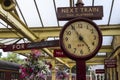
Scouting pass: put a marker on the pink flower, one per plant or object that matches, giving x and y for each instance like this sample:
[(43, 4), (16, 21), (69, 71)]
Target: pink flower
[(24, 71), (40, 75), (35, 53), (31, 76), (23, 75)]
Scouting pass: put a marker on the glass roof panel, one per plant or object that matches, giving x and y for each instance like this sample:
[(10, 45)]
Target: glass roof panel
[(29, 12), (107, 40), (47, 12), (62, 3), (106, 10), (115, 18)]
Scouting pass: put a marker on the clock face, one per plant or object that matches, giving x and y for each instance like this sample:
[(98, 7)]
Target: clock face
[(80, 38)]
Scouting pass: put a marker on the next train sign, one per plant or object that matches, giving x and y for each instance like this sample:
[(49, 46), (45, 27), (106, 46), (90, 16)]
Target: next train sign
[(91, 12)]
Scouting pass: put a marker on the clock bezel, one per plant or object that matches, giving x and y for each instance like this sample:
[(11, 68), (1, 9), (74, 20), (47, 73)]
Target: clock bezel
[(85, 57)]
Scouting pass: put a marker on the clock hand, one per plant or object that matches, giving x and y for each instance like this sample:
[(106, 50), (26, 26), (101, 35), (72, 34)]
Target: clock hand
[(75, 30), (86, 45), (81, 39)]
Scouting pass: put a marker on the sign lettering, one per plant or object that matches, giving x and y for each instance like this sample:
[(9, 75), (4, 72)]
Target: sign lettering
[(59, 53), (91, 12), (35, 45), (18, 46), (82, 10), (110, 63)]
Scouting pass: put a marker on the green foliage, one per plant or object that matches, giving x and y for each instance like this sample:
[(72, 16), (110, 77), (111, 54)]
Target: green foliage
[(0, 54), (12, 57), (74, 69)]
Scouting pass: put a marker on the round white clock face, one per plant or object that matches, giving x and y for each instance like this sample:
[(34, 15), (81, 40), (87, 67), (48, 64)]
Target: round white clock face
[(80, 38)]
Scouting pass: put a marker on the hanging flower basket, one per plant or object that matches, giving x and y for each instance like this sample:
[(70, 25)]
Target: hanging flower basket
[(34, 68)]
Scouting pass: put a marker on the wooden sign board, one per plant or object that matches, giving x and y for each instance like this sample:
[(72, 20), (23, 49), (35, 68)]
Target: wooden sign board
[(100, 71), (34, 45), (110, 63), (91, 12), (59, 53)]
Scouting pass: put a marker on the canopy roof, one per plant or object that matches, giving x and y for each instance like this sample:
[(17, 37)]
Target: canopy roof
[(40, 18)]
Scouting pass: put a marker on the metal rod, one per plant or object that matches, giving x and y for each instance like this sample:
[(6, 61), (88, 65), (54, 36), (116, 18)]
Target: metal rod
[(38, 13), (111, 12), (21, 13), (93, 1), (56, 12)]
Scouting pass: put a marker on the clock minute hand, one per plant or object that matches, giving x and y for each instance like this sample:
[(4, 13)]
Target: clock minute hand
[(81, 39), (75, 30), (86, 45)]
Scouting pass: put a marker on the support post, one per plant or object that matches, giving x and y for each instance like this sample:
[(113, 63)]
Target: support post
[(80, 70), (70, 76), (53, 70)]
